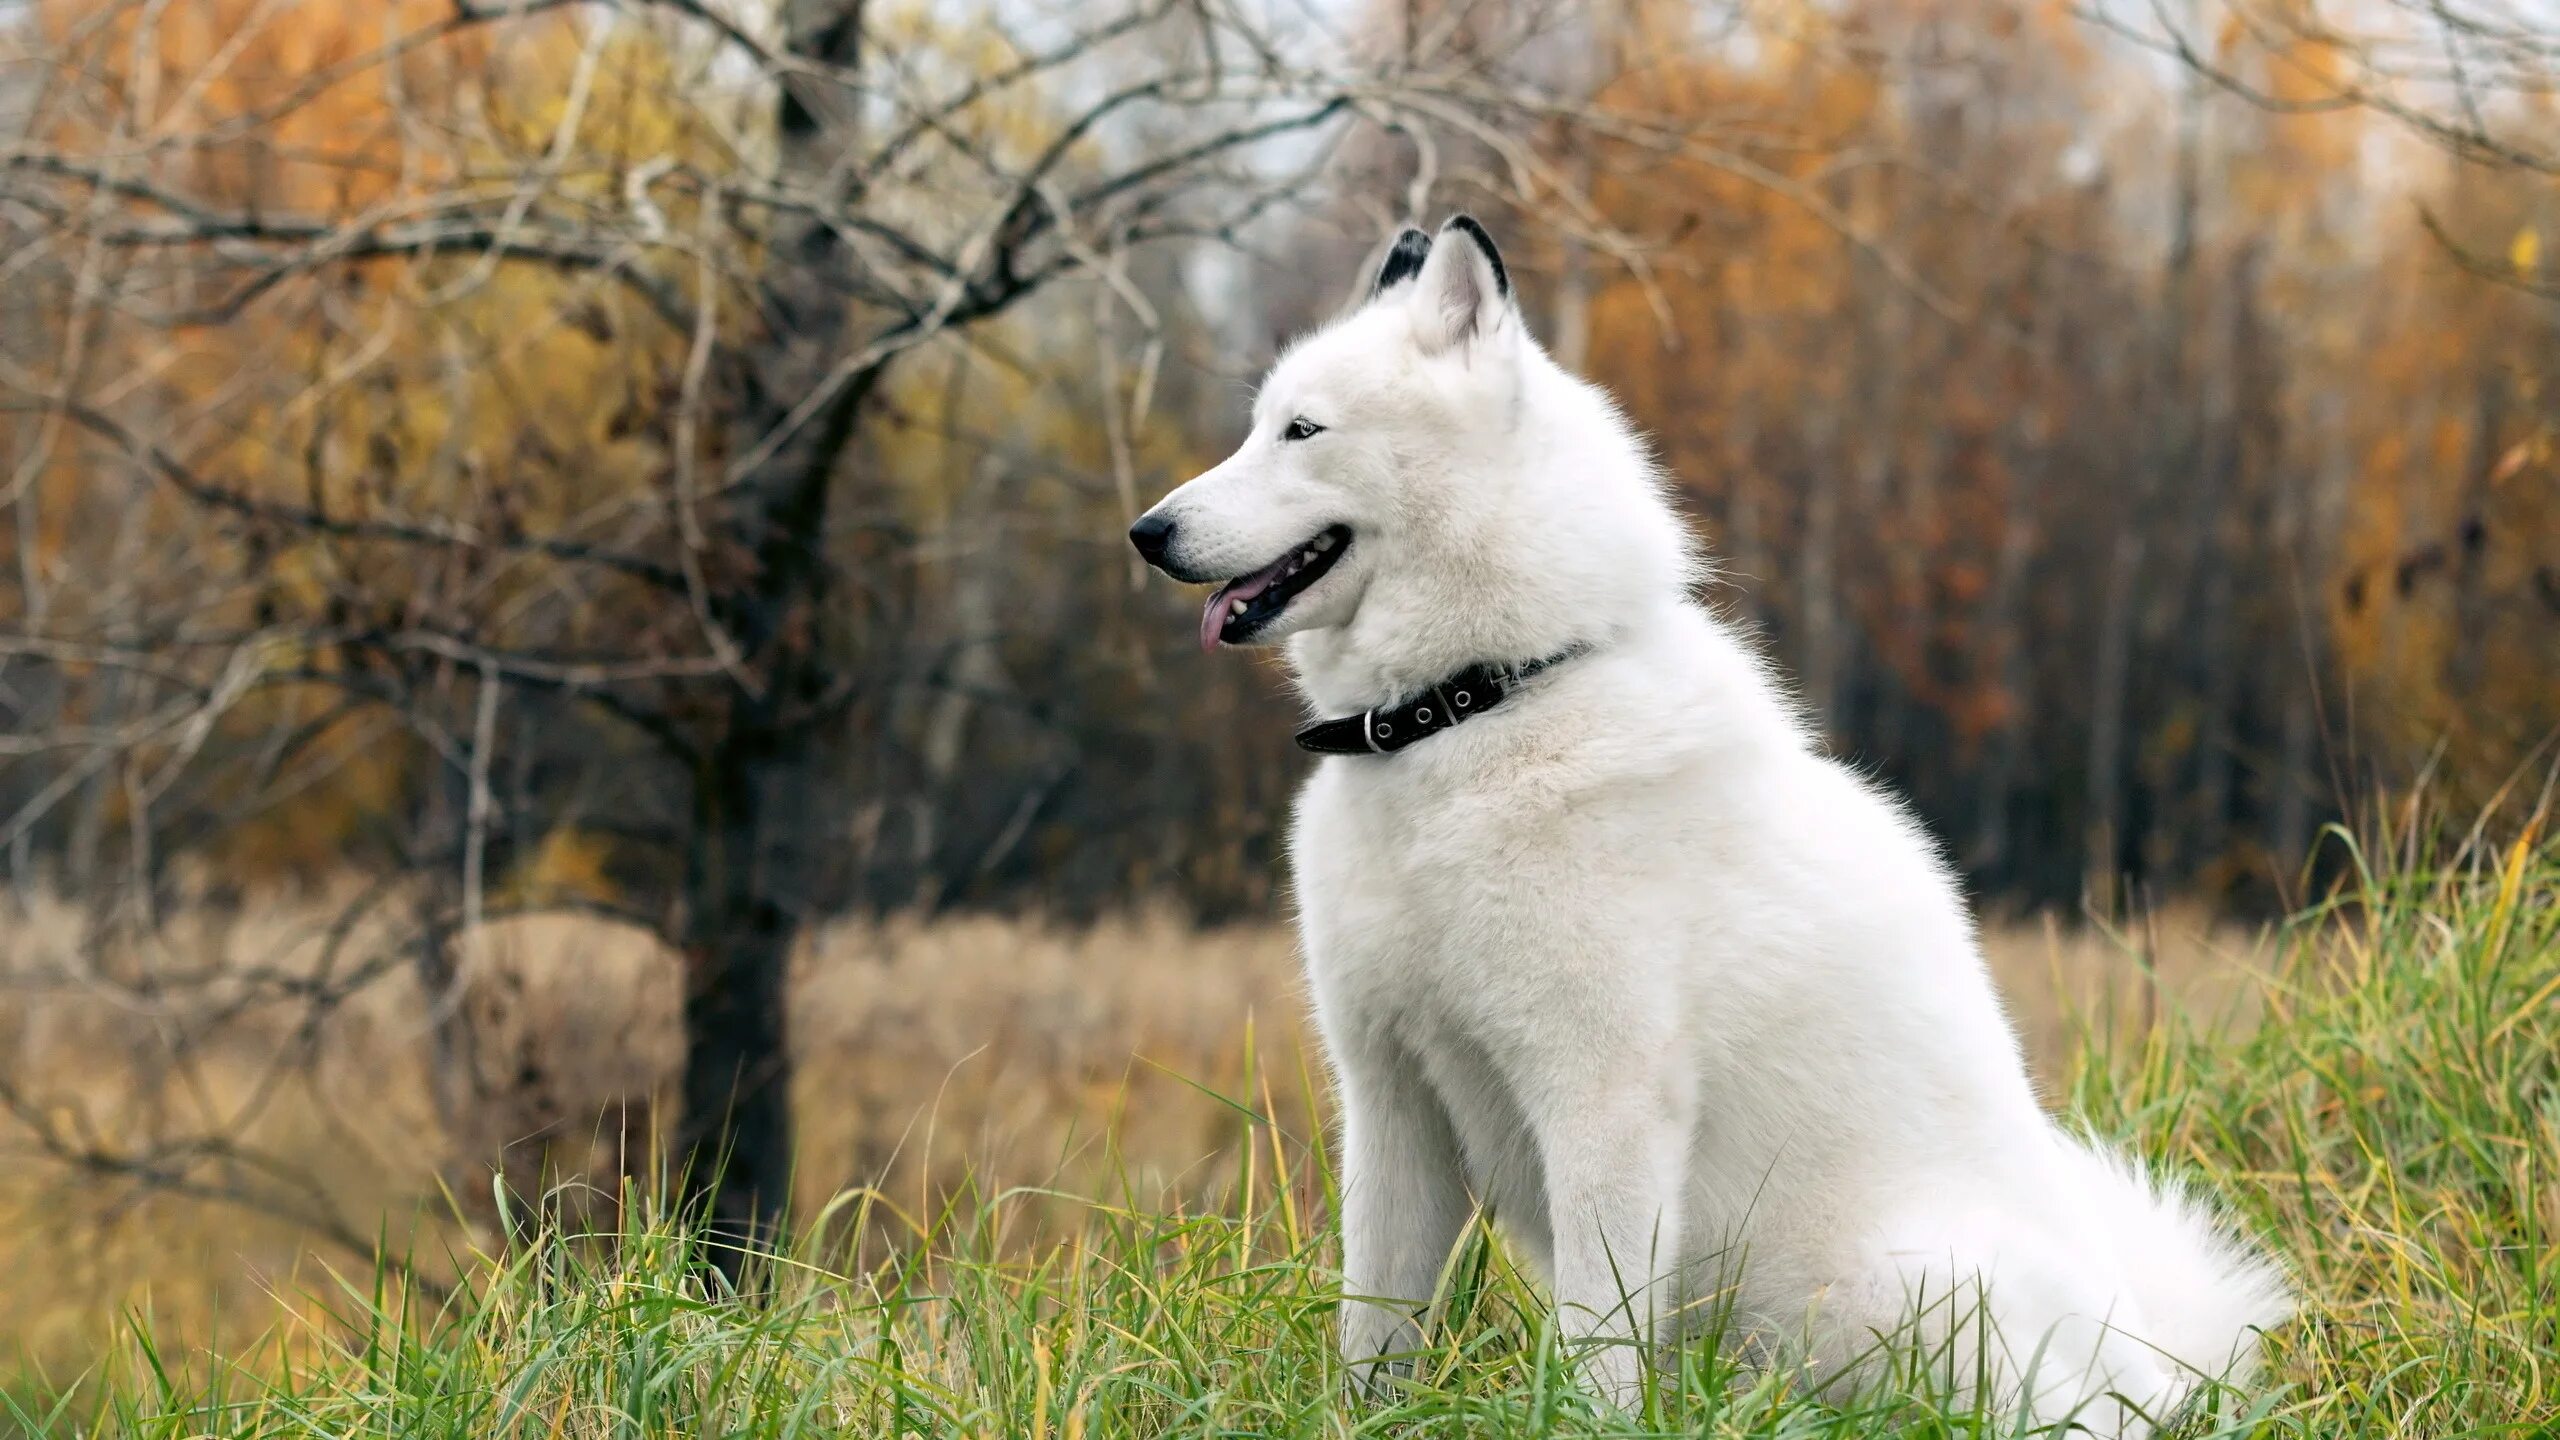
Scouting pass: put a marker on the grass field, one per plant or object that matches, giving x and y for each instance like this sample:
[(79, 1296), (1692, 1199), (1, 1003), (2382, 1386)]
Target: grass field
[(2381, 1101)]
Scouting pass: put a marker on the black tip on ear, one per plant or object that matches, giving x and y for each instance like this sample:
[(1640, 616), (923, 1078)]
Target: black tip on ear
[(1466, 225), (1404, 260)]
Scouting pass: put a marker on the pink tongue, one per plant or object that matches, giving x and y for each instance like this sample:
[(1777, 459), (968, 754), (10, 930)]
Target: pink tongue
[(1213, 616)]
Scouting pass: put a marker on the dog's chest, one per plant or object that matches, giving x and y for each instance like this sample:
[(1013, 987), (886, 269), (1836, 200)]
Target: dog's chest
[(1424, 907)]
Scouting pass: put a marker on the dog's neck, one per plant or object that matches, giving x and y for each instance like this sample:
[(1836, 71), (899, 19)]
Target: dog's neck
[(1409, 635), (1416, 626), (1391, 653)]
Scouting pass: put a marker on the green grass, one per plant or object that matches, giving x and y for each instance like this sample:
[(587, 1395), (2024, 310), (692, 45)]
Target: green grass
[(2390, 1124)]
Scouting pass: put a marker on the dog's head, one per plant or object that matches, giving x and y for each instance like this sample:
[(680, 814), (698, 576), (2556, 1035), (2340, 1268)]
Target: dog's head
[(1350, 434), (1417, 468)]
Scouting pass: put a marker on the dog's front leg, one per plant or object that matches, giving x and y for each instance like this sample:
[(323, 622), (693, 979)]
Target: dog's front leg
[(1404, 1203), (1614, 1166)]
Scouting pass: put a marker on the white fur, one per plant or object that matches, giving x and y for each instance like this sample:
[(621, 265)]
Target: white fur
[(1694, 1010)]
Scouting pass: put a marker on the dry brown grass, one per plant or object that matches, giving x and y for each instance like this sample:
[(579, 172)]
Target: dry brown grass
[(1007, 1050)]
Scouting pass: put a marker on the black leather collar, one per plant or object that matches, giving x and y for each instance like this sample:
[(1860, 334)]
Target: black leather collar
[(1453, 701)]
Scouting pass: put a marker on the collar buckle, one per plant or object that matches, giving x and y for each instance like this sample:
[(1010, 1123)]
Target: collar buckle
[(1387, 729)]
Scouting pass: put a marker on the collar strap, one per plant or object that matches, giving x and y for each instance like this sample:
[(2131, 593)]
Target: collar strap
[(1453, 701)]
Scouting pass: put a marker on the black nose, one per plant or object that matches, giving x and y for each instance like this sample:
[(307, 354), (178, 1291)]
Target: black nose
[(1153, 535)]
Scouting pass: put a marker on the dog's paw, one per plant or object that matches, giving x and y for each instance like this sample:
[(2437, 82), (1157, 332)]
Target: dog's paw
[(1378, 1348), (1613, 1372), (1377, 1380)]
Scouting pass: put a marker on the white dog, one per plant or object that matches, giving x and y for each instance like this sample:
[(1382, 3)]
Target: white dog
[(1600, 941)]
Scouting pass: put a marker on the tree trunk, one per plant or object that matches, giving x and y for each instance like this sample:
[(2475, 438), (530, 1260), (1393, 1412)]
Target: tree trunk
[(2469, 545), (974, 595), (2108, 696), (2005, 626), (1817, 593), (2113, 830), (747, 872), (737, 950), (1570, 341), (2303, 518), (2218, 519)]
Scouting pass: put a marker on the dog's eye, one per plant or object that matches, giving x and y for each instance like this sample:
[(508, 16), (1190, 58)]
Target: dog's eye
[(1301, 428)]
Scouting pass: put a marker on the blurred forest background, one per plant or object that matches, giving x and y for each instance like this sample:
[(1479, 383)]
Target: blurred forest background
[(557, 558)]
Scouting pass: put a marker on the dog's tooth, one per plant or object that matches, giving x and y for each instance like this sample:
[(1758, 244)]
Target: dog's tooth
[(1236, 609), (1308, 558), (1324, 542)]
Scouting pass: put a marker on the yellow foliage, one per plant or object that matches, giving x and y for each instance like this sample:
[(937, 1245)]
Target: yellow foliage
[(441, 391), (2444, 613), (331, 124)]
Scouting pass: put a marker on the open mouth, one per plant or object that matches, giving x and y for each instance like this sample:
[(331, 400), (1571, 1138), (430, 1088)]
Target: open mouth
[(1243, 606)]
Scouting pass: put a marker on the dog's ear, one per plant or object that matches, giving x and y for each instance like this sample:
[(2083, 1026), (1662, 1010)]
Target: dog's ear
[(1463, 292), (1403, 262)]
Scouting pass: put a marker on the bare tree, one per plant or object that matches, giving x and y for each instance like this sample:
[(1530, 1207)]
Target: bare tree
[(2450, 73)]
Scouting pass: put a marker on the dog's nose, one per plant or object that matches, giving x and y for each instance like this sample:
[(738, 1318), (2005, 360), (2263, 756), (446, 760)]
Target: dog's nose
[(1153, 535)]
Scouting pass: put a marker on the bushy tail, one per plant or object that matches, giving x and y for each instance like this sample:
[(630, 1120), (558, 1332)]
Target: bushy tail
[(2206, 1293)]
